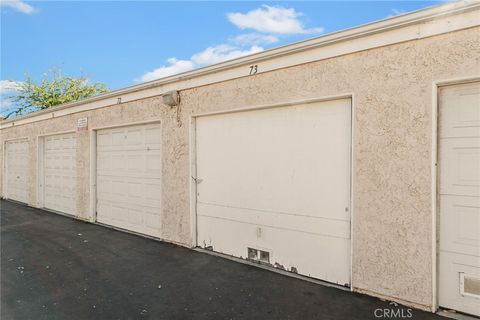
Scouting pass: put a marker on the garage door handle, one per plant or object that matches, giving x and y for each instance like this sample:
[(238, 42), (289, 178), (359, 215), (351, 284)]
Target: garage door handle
[(197, 180)]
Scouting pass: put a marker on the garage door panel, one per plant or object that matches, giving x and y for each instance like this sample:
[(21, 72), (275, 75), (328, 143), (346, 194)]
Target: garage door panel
[(129, 189), (272, 137), (134, 136), (151, 193), (130, 164), (104, 139), (129, 178), (153, 136), (134, 217), (460, 224), (295, 223), (17, 170), (335, 268), (271, 192), (462, 158), (111, 162), (135, 163), (454, 265), (459, 195), (459, 114), (140, 218), (298, 255), (60, 173), (135, 190), (152, 165), (56, 184), (111, 212), (278, 178)]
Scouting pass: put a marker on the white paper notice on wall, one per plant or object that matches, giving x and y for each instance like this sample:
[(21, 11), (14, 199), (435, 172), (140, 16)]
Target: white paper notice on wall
[(82, 124)]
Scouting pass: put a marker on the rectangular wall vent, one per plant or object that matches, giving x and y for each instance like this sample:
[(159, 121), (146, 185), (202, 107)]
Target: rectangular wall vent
[(469, 285), (258, 255), (265, 256), (252, 254)]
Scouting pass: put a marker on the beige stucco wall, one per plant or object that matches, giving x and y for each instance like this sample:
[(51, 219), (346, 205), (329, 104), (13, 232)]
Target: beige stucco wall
[(392, 146)]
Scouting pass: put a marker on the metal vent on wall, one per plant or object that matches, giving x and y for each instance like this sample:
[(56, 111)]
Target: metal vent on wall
[(258, 255), (469, 285)]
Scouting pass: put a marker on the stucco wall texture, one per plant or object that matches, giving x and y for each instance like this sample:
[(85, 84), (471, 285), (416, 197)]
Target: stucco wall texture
[(392, 148)]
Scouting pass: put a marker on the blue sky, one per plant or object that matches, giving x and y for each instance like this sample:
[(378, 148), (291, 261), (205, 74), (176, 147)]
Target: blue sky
[(122, 43)]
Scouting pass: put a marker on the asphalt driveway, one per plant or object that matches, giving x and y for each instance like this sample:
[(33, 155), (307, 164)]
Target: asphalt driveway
[(54, 267)]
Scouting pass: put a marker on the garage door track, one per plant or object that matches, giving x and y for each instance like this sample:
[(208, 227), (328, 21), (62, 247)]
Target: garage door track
[(54, 267)]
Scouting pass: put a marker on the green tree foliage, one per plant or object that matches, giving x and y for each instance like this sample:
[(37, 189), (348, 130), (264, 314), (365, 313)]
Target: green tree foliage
[(53, 90)]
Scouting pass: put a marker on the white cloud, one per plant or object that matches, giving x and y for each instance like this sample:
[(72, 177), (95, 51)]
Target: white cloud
[(211, 55), (254, 39), (271, 19), (221, 53), (7, 90), (269, 22), (174, 66), (18, 5), (9, 86)]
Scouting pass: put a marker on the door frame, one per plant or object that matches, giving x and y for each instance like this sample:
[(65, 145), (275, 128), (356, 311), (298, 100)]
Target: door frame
[(92, 217), (435, 171), (193, 158), (5, 167)]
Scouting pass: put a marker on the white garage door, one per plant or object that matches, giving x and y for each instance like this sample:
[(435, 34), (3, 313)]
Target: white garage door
[(17, 170), (459, 196), (129, 178), (273, 185), (60, 173)]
